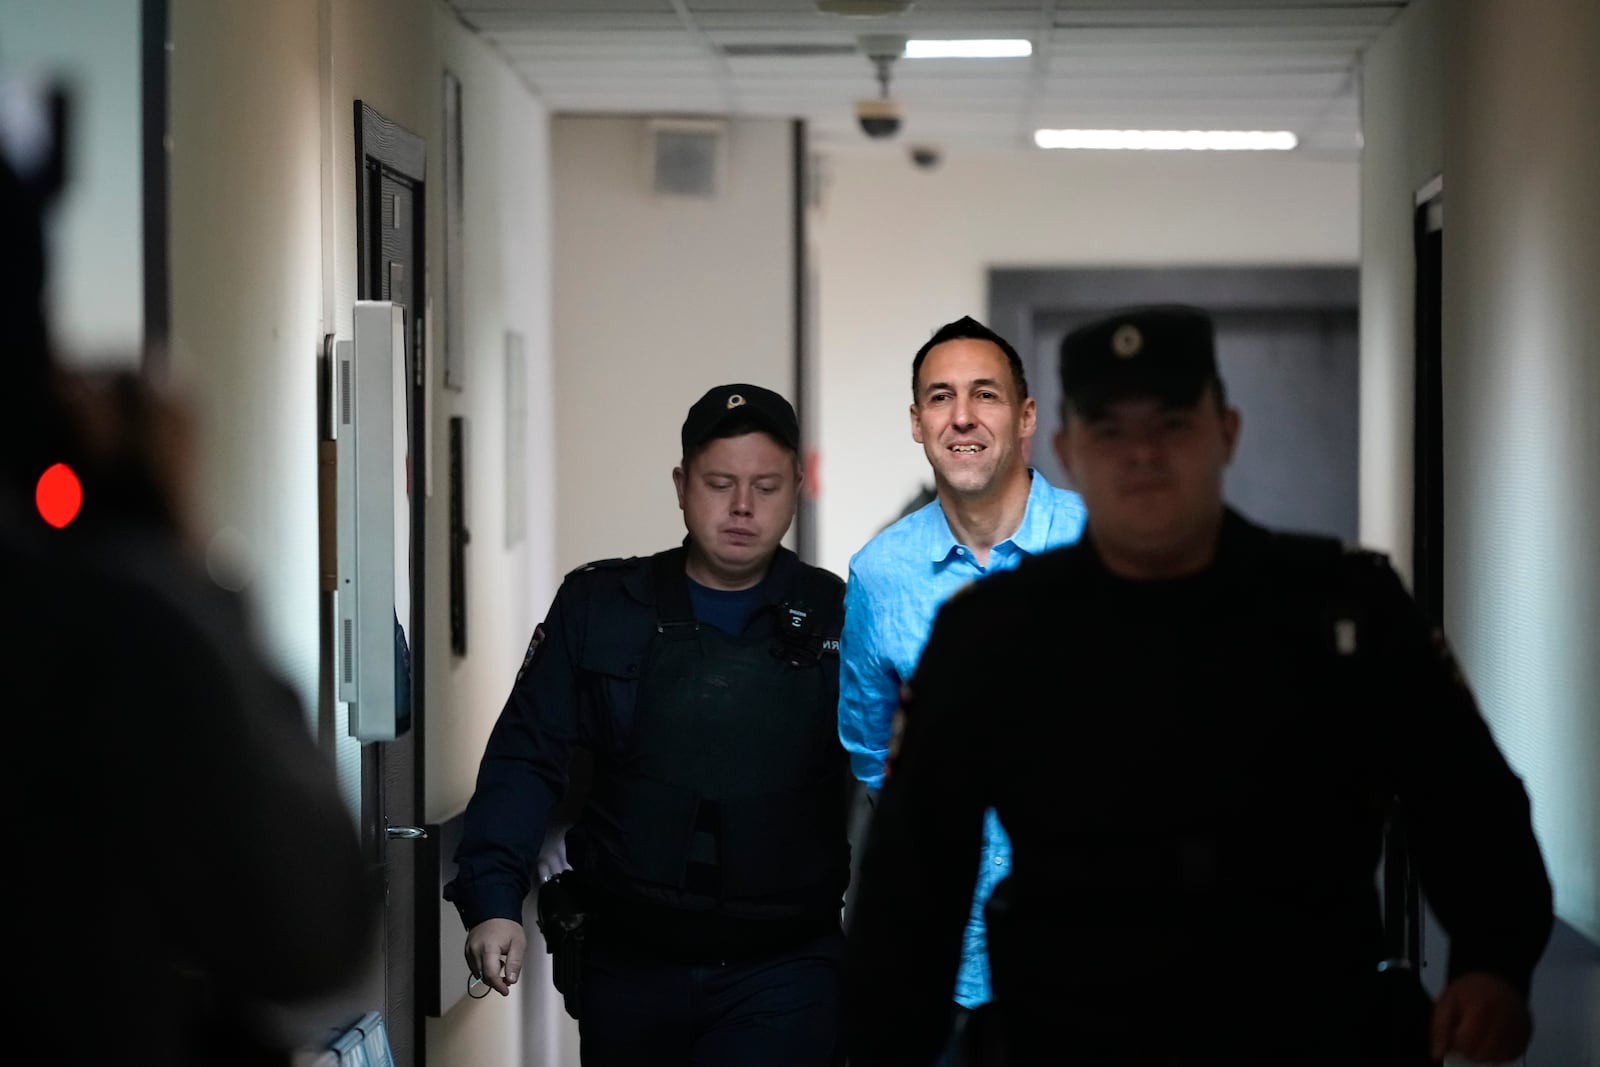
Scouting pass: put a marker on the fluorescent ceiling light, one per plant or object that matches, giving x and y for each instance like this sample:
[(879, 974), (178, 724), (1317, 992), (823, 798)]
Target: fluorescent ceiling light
[(973, 49), (1168, 140)]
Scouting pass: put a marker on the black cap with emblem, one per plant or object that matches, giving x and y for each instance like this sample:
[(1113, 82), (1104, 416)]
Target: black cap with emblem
[(728, 406), (1167, 351)]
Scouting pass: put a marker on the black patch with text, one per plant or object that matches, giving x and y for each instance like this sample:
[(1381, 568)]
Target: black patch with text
[(533, 650)]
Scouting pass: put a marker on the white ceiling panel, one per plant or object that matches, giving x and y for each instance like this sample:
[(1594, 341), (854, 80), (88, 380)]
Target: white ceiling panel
[(1231, 64)]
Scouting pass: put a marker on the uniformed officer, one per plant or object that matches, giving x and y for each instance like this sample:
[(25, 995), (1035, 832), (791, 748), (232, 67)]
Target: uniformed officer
[(702, 683), (1195, 834)]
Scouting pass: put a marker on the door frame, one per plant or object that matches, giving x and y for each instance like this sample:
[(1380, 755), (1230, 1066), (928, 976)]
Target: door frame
[(383, 147)]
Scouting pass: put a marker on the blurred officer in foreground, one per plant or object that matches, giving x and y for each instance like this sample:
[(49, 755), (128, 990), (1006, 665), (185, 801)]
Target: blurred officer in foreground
[(188, 876), (1196, 832), (700, 920), (971, 412)]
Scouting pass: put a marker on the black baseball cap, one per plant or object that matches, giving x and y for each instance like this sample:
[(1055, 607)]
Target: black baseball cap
[(1167, 351), (752, 404)]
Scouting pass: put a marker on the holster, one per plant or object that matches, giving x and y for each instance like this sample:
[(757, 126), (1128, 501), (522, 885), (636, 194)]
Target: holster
[(562, 912)]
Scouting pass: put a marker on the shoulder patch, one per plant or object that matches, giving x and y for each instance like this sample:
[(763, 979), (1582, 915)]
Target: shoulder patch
[(533, 650)]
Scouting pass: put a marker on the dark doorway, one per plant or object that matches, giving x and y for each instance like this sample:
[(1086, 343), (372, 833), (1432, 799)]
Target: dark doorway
[(153, 161), (390, 229), (1404, 920), (1287, 350), (1427, 536)]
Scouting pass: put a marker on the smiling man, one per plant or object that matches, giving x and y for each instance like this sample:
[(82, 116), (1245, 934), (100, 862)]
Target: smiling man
[(974, 419), (1198, 792), (700, 922)]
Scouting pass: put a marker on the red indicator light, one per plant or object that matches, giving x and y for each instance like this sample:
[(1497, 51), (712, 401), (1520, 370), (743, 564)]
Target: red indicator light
[(59, 495)]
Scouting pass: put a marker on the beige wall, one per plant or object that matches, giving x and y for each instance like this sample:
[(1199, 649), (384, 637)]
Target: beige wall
[(246, 240), (263, 251), (1522, 406), (901, 251), (1503, 107), (657, 298), (1402, 91)]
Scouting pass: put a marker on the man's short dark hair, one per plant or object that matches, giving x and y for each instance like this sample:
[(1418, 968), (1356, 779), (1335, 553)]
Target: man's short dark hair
[(968, 328)]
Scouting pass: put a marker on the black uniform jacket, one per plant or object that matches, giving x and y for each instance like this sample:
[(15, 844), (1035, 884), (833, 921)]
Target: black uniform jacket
[(1195, 775), (578, 686)]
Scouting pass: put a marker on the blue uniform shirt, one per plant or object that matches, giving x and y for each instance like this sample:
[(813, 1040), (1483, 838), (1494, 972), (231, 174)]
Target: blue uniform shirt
[(897, 582)]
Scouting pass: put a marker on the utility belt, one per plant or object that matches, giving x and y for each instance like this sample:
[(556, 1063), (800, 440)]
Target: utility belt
[(636, 927), (562, 911), (573, 913)]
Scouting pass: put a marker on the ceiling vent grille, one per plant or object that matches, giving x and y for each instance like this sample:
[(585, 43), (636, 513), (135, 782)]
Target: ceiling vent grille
[(864, 8), (687, 158), (787, 51)]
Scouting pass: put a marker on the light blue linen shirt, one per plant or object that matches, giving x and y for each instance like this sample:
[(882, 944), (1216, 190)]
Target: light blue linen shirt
[(897, 583)]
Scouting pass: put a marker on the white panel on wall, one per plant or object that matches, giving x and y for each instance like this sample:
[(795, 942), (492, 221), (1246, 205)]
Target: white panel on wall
[(516, 394)]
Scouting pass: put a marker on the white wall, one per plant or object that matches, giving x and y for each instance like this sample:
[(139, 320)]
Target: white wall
[(899, 252), (263, 245), (1402, 87), (657, 299), (1515, 139), (95, 234), (1522, 407)]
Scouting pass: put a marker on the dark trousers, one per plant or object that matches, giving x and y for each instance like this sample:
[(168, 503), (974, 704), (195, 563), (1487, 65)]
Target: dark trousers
[(1247, 1040), (954, 1054), (780, 1010)]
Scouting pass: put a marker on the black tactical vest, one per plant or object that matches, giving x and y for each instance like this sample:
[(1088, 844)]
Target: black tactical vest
[(728, 796)]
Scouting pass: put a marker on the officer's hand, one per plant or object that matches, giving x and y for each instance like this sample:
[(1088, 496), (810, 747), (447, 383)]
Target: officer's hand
[(553, 856), (494, 953), (1482, 1018)]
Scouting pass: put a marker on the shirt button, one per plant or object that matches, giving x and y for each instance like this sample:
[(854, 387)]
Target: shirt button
[(999, 861)]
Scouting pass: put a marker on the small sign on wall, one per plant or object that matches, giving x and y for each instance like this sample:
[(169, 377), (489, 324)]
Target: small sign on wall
[(516, 495), (460, 535), (455, 361)]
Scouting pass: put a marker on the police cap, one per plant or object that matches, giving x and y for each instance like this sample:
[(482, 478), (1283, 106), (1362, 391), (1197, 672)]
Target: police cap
[(1166, 351), (752, 404)]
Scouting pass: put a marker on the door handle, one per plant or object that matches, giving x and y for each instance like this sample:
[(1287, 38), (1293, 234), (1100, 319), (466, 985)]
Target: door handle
[(405, 833)]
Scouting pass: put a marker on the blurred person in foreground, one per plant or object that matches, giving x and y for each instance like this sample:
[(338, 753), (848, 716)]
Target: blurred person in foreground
[(1196, 833), (189, 874), (973, 417)]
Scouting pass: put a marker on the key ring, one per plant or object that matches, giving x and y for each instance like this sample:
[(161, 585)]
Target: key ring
[(474, 980)]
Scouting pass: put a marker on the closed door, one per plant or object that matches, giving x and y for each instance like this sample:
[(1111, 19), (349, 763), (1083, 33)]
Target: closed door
[(390, 233)]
